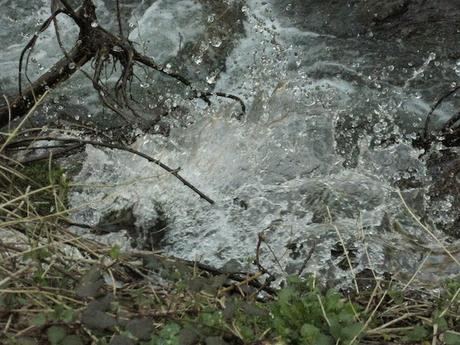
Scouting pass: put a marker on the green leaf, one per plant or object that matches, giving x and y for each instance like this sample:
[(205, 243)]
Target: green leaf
[(349, 332), (170, 331), (211, 319), (115, 252), (324, 340), (451, 338), (25, 341), (37, 254), (56, 334), (309, 333), (333, 300), (442, 324), (72, 340), (39, 320), (417, 334), (68, 315)]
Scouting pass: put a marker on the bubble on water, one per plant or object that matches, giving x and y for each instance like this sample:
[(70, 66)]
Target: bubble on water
[(457, 67), (216, 42), (211, 79), (72, 65), (198, 59)]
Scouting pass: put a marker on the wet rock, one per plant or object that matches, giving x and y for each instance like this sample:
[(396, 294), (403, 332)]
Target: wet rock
[(232, 266), (321, 216), (338, 253), (205, 58), (146, 236), (388, 20), (444, 192)]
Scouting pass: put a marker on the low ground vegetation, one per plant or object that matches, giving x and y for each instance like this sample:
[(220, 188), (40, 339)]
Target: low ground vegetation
[(61, 289)]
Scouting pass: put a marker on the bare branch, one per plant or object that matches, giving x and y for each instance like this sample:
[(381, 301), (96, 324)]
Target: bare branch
[(174, 172), (434, 107), (102, 48), (120, 26)]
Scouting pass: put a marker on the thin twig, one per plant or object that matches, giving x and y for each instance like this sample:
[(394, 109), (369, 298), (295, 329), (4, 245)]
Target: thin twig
[(424, 227), (307, 258), (120, 27), (434, 107), (345, 250), (174, 172)]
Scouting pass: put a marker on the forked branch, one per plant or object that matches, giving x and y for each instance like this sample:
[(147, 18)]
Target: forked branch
[(97, 45)]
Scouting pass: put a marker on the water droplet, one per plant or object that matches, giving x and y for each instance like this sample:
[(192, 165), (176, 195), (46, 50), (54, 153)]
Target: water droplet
[(211, 79), (457, 68), (211, 18), (72, 65), (117, 49), (198, 59), (94, 24), (216, 42), (391, 68)]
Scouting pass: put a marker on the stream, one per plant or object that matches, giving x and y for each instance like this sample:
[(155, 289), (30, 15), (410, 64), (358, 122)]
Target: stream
[(322, 159)]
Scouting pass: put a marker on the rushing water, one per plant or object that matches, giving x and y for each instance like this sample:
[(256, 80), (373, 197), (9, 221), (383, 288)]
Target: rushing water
[(316, 162)]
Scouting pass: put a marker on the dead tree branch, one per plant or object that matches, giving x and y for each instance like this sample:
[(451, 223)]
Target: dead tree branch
[(449, 134), (102, 48), (174, 172)]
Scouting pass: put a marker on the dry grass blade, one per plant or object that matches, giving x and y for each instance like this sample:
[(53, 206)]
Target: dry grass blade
[(426, 229)]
